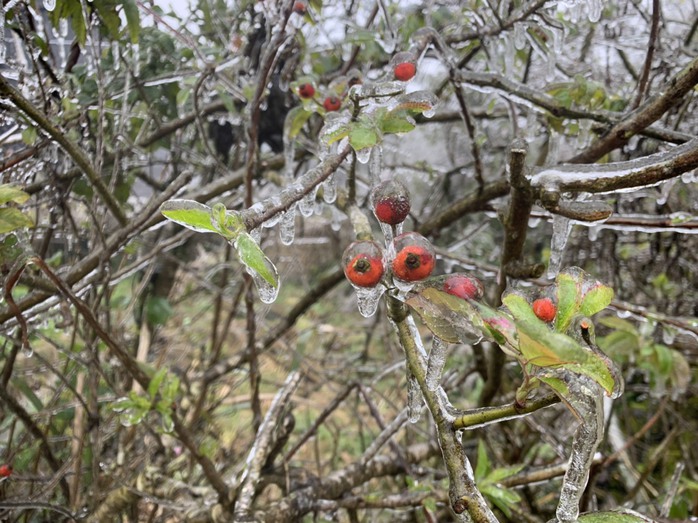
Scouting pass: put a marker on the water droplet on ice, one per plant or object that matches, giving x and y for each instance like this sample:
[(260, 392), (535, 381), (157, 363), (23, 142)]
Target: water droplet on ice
[(49, 5), (363, 155), (267, 292)]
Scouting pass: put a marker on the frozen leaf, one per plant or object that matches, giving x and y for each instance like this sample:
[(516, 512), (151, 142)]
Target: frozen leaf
[(10, 193), (12, 219), (252, 256), (452, 319), (395, 122), (569, 287), (295, 120), (362, 137), (596, 299), (190, 214), (132, 19)]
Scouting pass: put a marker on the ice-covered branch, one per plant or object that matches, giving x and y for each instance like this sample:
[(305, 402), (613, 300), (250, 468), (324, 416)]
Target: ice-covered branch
[(651, 111), (618, 176), (465, 499), (73, 150), (476, 418)]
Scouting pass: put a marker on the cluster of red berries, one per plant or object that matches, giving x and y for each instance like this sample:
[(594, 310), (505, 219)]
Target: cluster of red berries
[(414, 260), (5, 470), (306, 91)]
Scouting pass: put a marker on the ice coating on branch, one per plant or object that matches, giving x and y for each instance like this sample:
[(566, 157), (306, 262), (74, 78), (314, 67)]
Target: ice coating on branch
[(2, 35), (561, 232), (367, 298), (415, 402), (520, 35), (585, 399), (437, 361), (307, 203), (287, 225), (376, 90)]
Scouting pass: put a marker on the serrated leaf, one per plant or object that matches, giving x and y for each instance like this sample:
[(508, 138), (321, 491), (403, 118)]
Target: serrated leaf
[(361, 137), (133, 21), (252, 256), (12, 219), (11, 193), (190, 214), (596, 299), (295, 120)]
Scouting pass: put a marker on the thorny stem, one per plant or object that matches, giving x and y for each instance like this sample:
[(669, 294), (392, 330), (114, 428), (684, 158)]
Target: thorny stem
[(465, 499), (75, 152)]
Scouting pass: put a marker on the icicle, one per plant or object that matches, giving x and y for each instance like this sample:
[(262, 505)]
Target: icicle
[(136, 59), (329, 189), (519, 35), (415, 402), (367, 299), (437, 360), (561, 231), (364, 155), (376, 165), (289, 155), (594, 8), (2, 35), (267, 293), (305, 206), (287, 225), (585, 399)]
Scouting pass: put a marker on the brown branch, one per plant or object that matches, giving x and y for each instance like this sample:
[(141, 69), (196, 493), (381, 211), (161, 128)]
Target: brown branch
[(672, 94), (644, 77)]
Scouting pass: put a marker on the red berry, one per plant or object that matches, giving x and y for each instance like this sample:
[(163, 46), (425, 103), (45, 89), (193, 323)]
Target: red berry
[(5, 471), (545, 309), (306, 90), (415, 258), (332, 103), (363, 263), (299, 8), (404, 71), (391, 202), (464, 287)]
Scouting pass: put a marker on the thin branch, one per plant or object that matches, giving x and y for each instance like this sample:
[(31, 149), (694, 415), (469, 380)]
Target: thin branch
[(651, 45), (477, 418), (75, 152)]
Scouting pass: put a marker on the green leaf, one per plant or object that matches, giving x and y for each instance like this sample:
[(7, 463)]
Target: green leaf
[(568, 296), (559, 386), (252, 256), (620, 516), (156, 381), (295, 120), (596, 299), (361, 137), (483, 462), (10, 193), (395, 122), (190, 214), (157, 310), (12, 219), (133, 21)]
